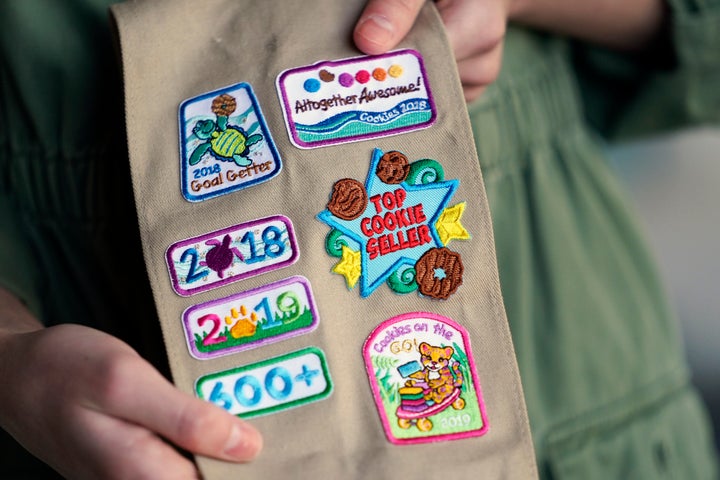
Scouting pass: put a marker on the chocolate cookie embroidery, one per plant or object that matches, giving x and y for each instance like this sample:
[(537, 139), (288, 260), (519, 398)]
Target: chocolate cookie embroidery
[(223, 105), (394, 229), (393, 167), (439, 273), (326, 76), (348, 199)]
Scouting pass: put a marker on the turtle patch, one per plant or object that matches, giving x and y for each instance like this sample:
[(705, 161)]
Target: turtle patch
[(225, 144), (224, 256), (356, 99), (250, 319), (423, 378), (395, 227)]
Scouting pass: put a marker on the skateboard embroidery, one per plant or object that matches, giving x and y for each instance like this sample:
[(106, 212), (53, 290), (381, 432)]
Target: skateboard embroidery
[(423, 378), (225, 144), (218, 258), (250, 319), (356, 99), (395, 228), (269, 386)]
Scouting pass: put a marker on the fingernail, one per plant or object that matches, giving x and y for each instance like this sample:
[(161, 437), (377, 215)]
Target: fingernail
[(244, 443), (377, 28)]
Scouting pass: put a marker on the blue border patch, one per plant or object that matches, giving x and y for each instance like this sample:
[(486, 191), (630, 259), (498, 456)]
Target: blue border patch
[(388, 225), (225, 144)]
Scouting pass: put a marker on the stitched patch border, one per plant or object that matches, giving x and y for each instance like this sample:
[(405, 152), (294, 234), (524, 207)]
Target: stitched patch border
[(225, 144), (252, 318), (269, 386), (356, 99), (424, 379), (394, 228), (224, 256)]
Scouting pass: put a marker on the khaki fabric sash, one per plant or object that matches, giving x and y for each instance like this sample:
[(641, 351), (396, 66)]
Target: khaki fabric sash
[(173, 50)]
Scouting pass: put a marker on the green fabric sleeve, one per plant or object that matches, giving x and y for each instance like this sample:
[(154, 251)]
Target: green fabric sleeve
[(18, 268), (672, 85), (61, 155)]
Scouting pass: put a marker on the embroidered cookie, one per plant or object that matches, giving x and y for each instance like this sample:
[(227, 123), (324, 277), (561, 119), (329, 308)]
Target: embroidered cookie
[(356, 99), (225, 144), (394, 228), (423, 378), (393, 167), (348, 199), (223, 105), (438, 273)]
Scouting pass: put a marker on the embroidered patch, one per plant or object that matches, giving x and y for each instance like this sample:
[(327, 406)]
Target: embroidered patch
[(394, 228), (250, 319), (424, 380), (231, 254), (356, 99), (225, 144), (269, 386)]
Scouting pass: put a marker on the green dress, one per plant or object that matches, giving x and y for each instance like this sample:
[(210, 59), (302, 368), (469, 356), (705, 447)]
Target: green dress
[(605, 379)]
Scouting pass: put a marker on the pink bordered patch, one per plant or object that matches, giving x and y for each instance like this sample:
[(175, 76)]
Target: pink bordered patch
[(269, 386), (224, 256), (356, 99), (424, 380), (225, 144), (250, 319)]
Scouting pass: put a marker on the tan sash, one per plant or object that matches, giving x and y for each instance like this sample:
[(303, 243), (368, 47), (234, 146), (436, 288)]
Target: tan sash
[(382, 410)]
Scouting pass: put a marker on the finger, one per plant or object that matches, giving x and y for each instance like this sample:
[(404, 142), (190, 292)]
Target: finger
[(472, 27), (139, 394), (111, 448), (472, 93), (481, 70), (384, 23)]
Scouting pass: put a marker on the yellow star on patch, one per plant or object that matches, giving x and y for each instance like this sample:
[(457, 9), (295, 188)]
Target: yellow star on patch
[(349, 266), (448, 225)]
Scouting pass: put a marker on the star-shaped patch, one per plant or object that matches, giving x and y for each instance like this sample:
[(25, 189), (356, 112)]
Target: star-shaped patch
[(397, 216), (449, 226)]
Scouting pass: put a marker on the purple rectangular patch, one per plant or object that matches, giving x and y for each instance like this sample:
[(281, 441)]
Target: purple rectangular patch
[(249, 319), (224, 256), (356, 99)]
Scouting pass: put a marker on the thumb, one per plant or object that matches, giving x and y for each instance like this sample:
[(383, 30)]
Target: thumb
[(384, 23), (142, 396)]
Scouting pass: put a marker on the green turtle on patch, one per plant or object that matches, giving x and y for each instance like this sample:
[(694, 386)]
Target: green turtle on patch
[(224, 141)]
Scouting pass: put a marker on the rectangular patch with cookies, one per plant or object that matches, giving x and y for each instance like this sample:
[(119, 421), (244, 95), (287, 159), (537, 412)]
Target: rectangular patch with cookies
[(269, 386), (356, 99), (249, 319), (224, 256)]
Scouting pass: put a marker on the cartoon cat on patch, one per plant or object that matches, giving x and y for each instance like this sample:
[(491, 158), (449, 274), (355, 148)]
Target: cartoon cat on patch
[(439, 377)]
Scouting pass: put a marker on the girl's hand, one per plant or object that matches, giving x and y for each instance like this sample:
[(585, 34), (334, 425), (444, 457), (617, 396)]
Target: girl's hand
[(89, 406), (475, 28)]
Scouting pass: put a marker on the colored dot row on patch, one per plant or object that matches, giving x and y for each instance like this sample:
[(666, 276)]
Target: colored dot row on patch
[(345, 79)]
